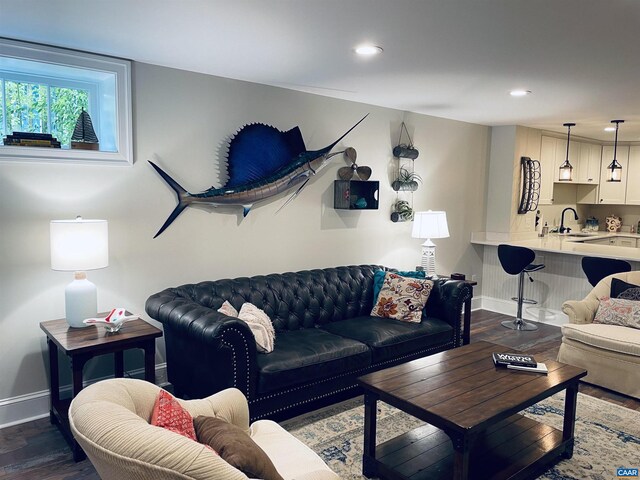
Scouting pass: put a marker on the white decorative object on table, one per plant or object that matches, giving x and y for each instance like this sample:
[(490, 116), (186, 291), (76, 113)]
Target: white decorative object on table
[(114, 321)]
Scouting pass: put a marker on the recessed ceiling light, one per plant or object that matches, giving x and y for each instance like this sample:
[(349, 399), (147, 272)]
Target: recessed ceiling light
[(610, 129), (368, 50), (519, 93)]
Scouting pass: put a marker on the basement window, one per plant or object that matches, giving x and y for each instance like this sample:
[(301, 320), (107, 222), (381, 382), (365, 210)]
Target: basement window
[(44, 90)]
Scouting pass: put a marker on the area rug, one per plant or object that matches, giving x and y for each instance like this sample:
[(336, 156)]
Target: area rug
[(607, 435)]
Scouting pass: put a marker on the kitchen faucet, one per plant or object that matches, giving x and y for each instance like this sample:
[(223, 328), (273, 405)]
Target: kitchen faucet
[(564, 229)]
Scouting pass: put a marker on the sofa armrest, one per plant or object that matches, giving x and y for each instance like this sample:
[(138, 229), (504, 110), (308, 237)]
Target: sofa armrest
[(207, 351), (446, 302), (581, 311)]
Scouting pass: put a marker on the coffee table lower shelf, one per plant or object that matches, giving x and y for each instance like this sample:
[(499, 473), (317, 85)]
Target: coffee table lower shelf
[(515, 448)]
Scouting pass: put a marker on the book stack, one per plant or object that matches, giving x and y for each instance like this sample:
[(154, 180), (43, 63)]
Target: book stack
[(518, 361), (28, 139)]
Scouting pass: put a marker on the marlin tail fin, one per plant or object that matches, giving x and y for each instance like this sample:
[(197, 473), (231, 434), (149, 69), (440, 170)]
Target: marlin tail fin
[(181, 193)]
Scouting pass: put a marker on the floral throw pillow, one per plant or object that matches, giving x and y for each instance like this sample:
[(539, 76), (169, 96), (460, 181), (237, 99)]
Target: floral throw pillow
[(402, 298), (378, 279), (618, 311)]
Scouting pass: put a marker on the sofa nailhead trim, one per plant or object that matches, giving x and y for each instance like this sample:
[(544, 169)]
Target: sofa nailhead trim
[(234, 353)]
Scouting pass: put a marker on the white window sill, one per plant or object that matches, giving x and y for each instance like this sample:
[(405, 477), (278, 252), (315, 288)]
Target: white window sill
[(61, 155)]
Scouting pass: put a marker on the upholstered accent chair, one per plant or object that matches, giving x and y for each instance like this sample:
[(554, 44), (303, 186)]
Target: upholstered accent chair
[(610, 353), (110, 420)]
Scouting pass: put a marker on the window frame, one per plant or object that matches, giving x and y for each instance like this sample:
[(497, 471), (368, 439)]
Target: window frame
[(121, 68)]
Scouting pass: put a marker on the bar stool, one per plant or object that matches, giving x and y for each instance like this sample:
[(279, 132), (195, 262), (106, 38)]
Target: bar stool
[(596, 268), (517, 261)]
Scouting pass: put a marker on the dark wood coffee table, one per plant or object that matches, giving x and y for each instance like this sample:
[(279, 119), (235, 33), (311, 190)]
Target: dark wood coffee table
[(471, 408)]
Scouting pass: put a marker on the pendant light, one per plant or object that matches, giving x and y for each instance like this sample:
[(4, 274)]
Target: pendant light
[(615, 175), (566, 169)]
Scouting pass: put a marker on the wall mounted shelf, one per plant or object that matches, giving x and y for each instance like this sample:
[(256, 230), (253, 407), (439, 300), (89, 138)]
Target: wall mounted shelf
[(355, 195)]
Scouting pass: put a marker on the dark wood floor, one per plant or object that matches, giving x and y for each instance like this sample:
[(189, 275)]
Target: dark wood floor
[(37, 451)]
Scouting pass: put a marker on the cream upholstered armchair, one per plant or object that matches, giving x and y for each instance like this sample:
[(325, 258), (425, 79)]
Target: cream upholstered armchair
[(610, 353), (110, 420)]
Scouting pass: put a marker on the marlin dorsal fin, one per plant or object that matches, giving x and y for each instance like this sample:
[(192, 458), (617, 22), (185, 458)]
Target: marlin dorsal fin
[(257, 151)]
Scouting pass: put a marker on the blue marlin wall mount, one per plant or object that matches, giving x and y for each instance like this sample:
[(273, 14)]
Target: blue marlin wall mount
[(262, 162)]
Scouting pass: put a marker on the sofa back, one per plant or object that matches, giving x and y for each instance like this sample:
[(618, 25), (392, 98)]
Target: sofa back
[(294, 300)]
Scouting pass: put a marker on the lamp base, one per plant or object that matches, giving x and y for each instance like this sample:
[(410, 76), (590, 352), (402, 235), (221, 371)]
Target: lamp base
[(428, 263), (80, 300)]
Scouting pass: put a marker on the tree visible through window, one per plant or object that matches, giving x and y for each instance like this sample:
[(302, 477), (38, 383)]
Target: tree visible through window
[(41, 108)]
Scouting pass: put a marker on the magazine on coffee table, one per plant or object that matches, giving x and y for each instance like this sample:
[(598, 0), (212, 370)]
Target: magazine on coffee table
[(518, 359)]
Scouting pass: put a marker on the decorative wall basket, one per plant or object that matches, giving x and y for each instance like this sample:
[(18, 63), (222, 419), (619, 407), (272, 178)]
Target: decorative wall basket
[(530, 185)]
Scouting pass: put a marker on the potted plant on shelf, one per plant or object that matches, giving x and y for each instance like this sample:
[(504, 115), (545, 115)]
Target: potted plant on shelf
[(402, 211), (406, 181)]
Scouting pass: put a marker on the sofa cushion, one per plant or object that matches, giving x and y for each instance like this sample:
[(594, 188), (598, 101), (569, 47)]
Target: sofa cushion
[(608, 337), (308, 355), (236, 447), (389, 338)]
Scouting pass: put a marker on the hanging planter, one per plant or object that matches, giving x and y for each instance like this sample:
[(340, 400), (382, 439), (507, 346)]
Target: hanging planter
[(402, 212), (407, 181), (404, 150)]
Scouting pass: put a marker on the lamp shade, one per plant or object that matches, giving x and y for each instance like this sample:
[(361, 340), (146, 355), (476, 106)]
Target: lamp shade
[(79, 245), (430, 224)]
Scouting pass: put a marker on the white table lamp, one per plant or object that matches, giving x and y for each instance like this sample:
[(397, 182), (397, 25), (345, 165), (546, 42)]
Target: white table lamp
[(429, 225), (76, 246)]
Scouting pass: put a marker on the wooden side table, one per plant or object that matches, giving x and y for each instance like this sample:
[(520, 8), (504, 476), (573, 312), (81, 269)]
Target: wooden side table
[(82, 344)]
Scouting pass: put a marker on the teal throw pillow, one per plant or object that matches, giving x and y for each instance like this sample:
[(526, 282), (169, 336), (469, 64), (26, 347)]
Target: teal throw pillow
[(378, 280)]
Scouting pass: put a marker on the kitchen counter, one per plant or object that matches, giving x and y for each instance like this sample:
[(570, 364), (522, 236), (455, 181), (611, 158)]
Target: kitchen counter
[(571, 245)]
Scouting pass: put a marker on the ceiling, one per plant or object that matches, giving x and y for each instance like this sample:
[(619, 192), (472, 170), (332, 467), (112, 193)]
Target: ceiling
[(456, 59)]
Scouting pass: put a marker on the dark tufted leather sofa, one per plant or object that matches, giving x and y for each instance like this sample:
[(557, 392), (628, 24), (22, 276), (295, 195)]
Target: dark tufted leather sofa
[(325, 337)]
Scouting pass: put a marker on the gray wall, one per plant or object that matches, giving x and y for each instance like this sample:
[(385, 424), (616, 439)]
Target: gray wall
[(181, 120)]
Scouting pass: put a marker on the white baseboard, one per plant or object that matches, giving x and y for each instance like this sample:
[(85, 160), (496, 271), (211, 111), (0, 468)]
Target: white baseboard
[(32, 406), (529, 312)]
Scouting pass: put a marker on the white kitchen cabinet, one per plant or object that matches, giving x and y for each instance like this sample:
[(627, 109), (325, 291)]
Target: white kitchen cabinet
[(589, 164), (625, 242), (602, 241), (633, 178), (547, 170), (613, 192)]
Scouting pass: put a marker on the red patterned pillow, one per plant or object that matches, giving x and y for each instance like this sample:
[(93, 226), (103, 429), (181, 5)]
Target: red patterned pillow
[(169, 414), (402, 298)]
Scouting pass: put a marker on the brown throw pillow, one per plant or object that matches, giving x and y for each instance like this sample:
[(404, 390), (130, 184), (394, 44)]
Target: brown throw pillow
[(235, 447)]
